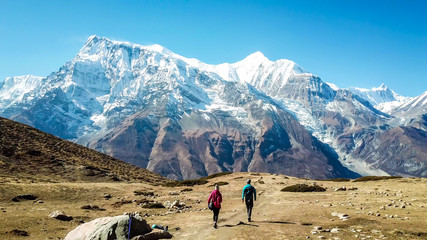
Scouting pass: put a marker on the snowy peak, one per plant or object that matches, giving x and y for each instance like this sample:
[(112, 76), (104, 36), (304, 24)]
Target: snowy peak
[(14, 88), (333, 86), (414, 106), (378, 95), (254, 59), (382, 87)]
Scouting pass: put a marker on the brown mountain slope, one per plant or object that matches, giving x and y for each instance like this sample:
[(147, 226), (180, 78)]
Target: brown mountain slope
[(33, 154)]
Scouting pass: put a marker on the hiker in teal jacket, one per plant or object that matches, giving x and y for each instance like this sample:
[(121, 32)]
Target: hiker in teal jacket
[(249, 195)]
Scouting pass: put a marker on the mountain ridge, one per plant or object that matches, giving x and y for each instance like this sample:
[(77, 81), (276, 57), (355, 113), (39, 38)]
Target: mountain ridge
[(111, 88)]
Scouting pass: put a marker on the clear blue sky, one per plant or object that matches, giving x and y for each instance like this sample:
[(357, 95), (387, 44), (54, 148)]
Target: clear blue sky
[(349, 43)]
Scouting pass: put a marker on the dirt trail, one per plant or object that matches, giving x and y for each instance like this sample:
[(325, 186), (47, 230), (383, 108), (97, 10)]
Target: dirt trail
[(233, 222)]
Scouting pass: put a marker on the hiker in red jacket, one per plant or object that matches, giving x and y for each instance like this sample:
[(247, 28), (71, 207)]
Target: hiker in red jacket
[(215, 206)]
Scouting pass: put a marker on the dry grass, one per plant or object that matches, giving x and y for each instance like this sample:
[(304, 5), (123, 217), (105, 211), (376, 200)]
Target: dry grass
[(217, 175), (219, 184), (303, 188), (27, 153), (277, 215), (193, 182), (375, 178), (337, 180), (188, 183)]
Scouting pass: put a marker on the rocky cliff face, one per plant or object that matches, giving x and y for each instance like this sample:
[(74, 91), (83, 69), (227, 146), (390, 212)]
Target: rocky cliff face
[(186, 119)]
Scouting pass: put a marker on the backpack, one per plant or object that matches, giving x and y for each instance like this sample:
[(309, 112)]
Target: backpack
[(211, 203), (249, 192)]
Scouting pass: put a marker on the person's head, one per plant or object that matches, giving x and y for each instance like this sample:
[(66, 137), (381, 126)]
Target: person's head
[(248, 181), (216, 187)]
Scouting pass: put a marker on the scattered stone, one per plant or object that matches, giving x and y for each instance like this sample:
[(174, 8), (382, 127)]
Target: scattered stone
[(167, 204), (107, 196), (24, 197), (177, 204), (340, 189), (152, 205), (121, 203), (321, 237), (335, 230), (60, 216), (92, 207), (39, 201), (173, 193), (341, 216), (352, 189), (317, 228), (143, 193)]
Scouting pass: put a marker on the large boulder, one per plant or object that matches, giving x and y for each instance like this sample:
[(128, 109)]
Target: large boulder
[(110, 228)]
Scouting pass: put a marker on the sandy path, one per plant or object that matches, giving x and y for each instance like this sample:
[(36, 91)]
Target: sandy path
[(233, 211)]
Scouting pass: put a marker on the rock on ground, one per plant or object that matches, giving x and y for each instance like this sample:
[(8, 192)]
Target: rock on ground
[(60, 216), (115, 228), (154, 236)]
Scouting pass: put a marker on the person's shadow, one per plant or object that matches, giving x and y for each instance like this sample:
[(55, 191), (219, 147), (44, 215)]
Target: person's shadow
[(279, 222), (253, 225), (239, 224)]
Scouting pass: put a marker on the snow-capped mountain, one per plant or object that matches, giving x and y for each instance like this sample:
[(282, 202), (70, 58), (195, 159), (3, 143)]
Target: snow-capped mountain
[(408, 108), (381, 94), (184, 118), (404, 109), (18, 90)]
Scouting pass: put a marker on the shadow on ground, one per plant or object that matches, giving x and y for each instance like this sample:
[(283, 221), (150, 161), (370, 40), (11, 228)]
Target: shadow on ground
[(240, 223)]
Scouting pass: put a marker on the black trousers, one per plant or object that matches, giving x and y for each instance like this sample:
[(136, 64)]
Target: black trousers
[(215, 214), (249, 206)]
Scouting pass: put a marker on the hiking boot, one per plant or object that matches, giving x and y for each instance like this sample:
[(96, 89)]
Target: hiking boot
[(215, 226), (249, 220)]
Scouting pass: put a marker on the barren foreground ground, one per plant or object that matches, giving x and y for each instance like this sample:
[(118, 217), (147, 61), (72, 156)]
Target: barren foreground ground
[(386, 209)]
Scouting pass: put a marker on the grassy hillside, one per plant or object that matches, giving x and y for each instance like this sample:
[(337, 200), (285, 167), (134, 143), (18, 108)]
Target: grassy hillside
[(27, 153)]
